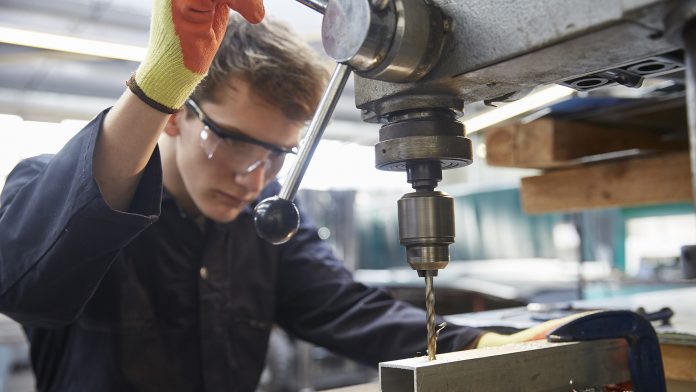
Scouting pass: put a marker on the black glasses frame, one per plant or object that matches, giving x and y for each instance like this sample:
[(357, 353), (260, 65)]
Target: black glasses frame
[(217, 130)]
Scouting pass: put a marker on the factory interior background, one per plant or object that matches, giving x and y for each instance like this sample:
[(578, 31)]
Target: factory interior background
[(502, 256)]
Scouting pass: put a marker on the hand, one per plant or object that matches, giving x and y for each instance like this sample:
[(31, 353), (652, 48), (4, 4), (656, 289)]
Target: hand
[(537, 332), (251, 10), (184, 37), (200, 26)]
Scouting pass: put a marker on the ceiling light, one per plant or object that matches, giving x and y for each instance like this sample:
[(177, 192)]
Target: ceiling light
[(9, 119), (536, 100), (68, 44)]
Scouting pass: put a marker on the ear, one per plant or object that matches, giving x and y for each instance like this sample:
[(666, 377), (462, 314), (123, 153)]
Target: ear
[(171, 128)]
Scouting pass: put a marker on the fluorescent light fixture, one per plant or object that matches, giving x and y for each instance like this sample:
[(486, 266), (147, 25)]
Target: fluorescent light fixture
[(532, 101), (9, 119), (68, 44)]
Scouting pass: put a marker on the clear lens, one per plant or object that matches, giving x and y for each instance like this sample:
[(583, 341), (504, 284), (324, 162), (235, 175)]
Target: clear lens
[(245, 157), (209, 142)]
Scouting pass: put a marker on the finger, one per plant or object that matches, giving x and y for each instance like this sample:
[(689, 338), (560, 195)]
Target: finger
[(252, 10), (194, 11), (222, 14)]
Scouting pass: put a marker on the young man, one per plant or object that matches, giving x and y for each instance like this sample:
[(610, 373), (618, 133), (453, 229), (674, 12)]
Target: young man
[(135, 267)]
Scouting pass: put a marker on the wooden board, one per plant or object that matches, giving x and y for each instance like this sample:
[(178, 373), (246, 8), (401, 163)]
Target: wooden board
[(679, 362), (548, 143), (664, 178)]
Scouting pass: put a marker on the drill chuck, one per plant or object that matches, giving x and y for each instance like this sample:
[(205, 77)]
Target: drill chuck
[(426, 229)]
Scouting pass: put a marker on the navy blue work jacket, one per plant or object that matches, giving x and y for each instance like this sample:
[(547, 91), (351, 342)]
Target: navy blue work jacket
[(150, 301)]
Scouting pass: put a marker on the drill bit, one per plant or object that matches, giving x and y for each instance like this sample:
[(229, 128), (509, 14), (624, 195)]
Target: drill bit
[(430, 316)]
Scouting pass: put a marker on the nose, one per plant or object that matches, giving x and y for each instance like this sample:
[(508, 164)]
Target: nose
[(253, 181)]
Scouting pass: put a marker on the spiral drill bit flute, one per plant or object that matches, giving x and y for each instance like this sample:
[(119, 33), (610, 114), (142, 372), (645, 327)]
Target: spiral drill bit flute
[(430, 317)]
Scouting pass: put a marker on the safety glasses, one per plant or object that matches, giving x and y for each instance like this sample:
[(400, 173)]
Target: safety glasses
[(244, 152)]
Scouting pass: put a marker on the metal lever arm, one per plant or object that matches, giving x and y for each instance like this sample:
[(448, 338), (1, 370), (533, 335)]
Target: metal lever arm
[(316, 130), (316, 5), (277, 218)]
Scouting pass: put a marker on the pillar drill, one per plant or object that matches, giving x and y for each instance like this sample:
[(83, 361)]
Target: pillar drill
[(396, 41), (417, 62)]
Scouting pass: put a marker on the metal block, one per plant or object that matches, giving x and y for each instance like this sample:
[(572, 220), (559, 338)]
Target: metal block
[(534, 366)]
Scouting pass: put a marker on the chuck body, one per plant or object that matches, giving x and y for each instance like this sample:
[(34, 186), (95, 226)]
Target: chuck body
[(426, 229)]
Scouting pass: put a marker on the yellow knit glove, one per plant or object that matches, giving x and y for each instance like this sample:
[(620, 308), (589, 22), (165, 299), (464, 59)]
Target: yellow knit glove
[(537, 332), (184, 36)]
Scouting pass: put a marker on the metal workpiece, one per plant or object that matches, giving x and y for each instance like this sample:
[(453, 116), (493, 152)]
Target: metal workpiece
[(276, 218), (426, 228), (498, 47), (390, 40), (533, 366)]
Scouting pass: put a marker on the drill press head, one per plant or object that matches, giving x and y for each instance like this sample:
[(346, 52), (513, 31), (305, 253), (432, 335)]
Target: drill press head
[(422, 143)]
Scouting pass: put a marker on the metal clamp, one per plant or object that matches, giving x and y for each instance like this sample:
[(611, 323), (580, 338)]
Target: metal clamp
[(645, 359)]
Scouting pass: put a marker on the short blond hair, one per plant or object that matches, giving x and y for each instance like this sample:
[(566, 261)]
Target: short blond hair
[(281, 68)]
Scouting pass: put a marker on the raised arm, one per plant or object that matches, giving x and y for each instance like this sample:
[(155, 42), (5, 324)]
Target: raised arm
[(64, 218), (184, 36)]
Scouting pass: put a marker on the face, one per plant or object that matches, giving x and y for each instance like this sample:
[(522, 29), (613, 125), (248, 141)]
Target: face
[(216, 184)]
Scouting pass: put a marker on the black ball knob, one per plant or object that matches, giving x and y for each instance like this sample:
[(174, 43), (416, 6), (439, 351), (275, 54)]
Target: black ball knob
[(276, 220)]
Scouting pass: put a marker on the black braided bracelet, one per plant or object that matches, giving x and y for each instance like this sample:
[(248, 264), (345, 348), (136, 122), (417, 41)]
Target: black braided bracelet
[(133, 86)]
